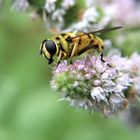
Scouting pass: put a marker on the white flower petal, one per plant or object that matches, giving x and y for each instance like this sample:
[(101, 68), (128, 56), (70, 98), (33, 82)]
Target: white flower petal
[(116, 99), (97, 93)]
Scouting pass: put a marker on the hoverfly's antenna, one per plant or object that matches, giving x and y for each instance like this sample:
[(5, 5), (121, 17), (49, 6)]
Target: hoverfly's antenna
[(99, 31)]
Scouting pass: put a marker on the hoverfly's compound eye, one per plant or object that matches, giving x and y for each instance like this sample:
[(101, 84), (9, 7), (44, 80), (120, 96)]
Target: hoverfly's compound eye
[(50, 47)]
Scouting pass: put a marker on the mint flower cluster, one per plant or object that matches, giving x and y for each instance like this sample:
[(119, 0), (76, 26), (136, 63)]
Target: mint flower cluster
[(92, 85), (97, 86)]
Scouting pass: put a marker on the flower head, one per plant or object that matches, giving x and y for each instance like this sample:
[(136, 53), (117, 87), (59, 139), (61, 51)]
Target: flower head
[(91, 84), (131, 67)]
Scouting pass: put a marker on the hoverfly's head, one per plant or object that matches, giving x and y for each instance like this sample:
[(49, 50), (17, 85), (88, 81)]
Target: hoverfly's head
[(48, 50)]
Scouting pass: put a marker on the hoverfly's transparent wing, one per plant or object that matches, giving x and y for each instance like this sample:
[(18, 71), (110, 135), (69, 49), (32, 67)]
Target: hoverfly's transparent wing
[(106, 30), (98, 31)]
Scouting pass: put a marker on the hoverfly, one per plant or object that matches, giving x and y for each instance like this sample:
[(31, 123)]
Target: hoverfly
[(70, 44)]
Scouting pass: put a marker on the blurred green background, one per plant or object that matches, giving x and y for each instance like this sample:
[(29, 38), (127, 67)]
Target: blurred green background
[(29, 109)]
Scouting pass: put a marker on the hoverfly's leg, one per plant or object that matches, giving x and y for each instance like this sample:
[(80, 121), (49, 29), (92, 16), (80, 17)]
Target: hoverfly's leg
[(101, 55), (60, 56), (74, 50), (51, 67), (58, 63)]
